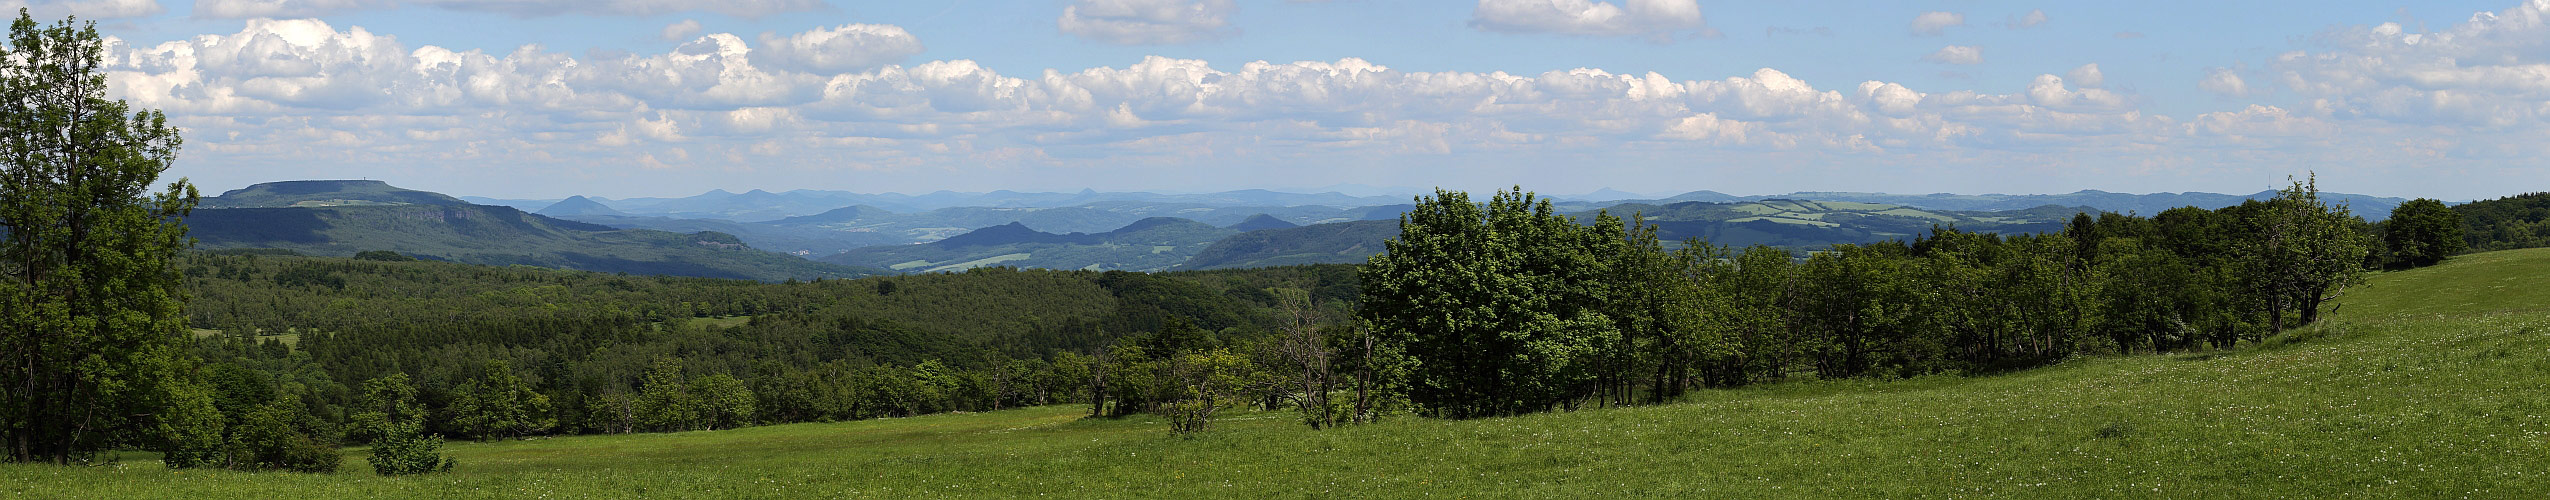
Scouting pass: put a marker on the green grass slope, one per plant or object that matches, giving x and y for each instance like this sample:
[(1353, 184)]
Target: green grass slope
[(2428, 383)]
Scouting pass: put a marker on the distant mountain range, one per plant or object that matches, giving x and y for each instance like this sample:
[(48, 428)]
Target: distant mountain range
[(2372, 208), (341, 218), (859, 226), (852, 233), (1152, 244), (764, 206), (1808, 224)]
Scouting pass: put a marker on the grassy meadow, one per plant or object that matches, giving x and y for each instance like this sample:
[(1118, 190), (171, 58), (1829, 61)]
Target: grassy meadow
[(2426, 383)]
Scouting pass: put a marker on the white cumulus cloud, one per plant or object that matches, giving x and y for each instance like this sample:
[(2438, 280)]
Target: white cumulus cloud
[(842, 97), (2087, 76), (1935, 22), (1956, 54), (2492, 70), (2028, 20), (838, 49), (2225, 82), (1661, 20)]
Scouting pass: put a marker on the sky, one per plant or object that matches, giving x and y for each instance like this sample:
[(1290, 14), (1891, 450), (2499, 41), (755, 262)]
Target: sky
[(629, 98)]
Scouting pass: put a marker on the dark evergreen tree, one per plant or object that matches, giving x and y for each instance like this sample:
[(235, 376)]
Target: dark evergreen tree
[(91, 332)]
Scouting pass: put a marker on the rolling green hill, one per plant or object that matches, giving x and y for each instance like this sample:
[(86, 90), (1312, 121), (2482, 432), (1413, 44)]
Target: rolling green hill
[(2427, 383), (1332, 243), (1152, 244), (1804, 224), (290, 219), (1261, 221)]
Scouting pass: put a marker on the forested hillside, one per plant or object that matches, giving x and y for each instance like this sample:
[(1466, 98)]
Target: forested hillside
[(499, 236), (342, 218), (2520, 221), (1807, 225), (1152, 244), (315, 328), (1335, 242)]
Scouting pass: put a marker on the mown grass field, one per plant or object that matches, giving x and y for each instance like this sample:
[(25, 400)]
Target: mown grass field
[(2428, 383)]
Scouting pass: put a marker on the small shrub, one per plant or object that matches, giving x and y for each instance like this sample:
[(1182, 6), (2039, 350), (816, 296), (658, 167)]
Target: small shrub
[(1188, 416), (268, 439), (402, 451)]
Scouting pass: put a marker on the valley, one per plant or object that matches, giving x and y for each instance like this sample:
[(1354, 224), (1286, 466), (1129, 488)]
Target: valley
[(843, 234)]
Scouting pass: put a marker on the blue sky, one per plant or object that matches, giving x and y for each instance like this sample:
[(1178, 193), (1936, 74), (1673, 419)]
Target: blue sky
[(620, 98)]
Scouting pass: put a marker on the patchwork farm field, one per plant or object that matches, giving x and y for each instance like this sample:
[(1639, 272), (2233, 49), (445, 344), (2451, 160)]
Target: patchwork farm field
[(2426, 383)]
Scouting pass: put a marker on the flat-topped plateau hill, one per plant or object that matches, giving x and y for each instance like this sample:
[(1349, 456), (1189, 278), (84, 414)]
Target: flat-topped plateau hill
[(342, 218)]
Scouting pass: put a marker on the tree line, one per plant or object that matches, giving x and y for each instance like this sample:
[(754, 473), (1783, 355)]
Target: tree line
[(1507, 307), (505, 352)]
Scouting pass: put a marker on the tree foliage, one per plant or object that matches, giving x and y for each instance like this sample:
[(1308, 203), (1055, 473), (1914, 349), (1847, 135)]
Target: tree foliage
[(1500, 305), (2423, 232), (1486, 301), (90, 325), (498, 405), (2519, 221)]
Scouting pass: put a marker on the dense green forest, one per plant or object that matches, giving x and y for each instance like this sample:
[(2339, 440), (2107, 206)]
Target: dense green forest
[(1570, 315), (2520, 221), (592, 345)]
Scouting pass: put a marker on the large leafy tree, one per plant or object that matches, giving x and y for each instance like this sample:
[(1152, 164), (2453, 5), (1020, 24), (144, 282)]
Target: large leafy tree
[(665, 401), (725, 402), (91, 338), (500, 405), (2299, 252), (1499, 306), (2423, 232)]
